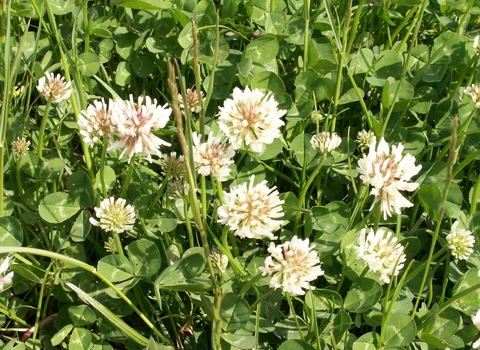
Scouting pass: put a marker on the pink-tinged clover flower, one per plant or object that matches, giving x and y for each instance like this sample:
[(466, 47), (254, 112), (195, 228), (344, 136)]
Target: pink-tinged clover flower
[(251, 210), (388, 173), (54, 87), (192, 101), (292, 265), (212, 157), (97, 121), (251, 118), (135, 125)]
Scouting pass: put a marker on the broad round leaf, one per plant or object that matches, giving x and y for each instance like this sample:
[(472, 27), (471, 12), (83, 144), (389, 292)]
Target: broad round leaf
[(58, 207), (363, 294), (115, 268), (80, 187), (11, 233), (295, 344), (82, 315), (400, 330), (145, 257), (88, 63), (262, 50), (234, 312)]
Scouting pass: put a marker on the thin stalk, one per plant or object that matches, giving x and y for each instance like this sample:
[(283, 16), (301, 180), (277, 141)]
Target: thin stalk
[(475, 193), (451, 160), (354, 30), (40, 301), (102, 167), (292, 310), (127, 180), (189, 171), (43, 125), (306, 14), (198, 77), (303, 191)]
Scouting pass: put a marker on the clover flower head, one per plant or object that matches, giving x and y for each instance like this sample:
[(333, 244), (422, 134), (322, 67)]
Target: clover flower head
[(476, 319), (474, 92), (177, 188), (476, 45), (292, 266), (461, 242), (54, 87), (114, 215), (97, 121), (20, 147), (250, 210), (251, 118), (381, 252), (135, 124), (192, 101), (175, 163), (325, 142), (365, 139), (219, 260), (212, 157), (388, 173), (7, 279)]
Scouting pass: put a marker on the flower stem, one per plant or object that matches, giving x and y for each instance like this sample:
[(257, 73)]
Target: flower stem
[(43, 125), (303, 191), (292, 310), (127, 180), (102, 168)]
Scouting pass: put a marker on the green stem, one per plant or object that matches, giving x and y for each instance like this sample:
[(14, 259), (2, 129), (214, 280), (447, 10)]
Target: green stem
[(451, 160), (306, 14), (102, 168), (43, 125), (292, 310), (475, 193), (128, 179), (303, 191)]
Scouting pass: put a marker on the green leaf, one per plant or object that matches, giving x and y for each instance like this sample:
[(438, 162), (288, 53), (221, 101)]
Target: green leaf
[(58, 207), (11, 233), (323, 299), (88, 63), (239, 341), (37, 170), (30, 272), (337, 327), (80, 339), (449, 49), (331, 217), (400, 330), (61, 334), (470, 302), (261, 50), (145, 257), (303, 150), (362, 295), (82, 315), (114, 319), (110, 179), (124, 74), (81, 188), (287, 328), (142, 66), (309, 81), (115, 268), (295, 344), (234, 312), (205, 13), (145, 4), (270, 151), (163, 219), (81, 227), (441, 328)]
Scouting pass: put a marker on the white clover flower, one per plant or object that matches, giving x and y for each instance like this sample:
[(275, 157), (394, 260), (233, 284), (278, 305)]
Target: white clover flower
[(212, 157), (365, 139), (250, 210), (20, 147), (460, 241), (381, 252), (54, 88), (388, 174), (251, 118), (219, 260), (325, 142), (292, 266), (114, 215), (7, 279), (476, 45), (174, 163), (98, 121), (476, 319), (135, 124), (193, 103), (474, 92)]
